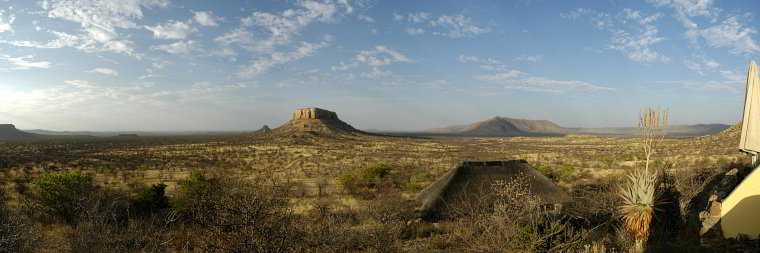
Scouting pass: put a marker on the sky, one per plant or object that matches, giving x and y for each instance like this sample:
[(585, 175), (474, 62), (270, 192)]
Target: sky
[(107, 65)]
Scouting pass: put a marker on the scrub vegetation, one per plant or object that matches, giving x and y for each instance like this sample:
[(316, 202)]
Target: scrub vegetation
[(342, 193)]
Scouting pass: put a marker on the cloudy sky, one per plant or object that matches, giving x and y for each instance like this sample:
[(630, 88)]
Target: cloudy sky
[(397, 64)]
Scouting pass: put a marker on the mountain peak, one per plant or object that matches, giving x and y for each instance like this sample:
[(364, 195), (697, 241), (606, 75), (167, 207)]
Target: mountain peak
[(503, 126)]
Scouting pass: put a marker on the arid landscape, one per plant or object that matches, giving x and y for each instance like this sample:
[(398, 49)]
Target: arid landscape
[(371, 126), (314, 179)]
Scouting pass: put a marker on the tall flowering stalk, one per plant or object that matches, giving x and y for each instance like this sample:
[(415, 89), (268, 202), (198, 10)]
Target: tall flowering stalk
[(641, 194)]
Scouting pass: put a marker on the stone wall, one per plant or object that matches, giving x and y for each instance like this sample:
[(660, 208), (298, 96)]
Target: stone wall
[(314, 113)]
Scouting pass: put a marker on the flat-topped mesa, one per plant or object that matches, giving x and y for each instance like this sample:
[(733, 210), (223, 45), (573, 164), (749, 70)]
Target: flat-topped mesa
[(316, 120), (314, 113), (7, 127)]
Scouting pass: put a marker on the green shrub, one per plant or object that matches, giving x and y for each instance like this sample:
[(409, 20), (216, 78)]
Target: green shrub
[(149, 200), (348, 181), (417, 182), (64, 194), (365, 177), (194, 193), (375, 171), (559, 173)]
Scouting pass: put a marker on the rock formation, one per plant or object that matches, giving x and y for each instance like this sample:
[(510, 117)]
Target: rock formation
[(316, 120), (9, 131), (263, 129), (313, 113)]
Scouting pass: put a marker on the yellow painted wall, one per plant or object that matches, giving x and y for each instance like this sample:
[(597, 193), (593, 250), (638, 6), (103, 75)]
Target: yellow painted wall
[(740, 211)]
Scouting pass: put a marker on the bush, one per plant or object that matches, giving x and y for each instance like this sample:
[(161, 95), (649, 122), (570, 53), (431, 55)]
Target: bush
[(16, 233), (366, 177), (515, 222), (233, 215), (64, 194), (557, 174), (104, 227), (547, 233), (149, 200), (416, 182), (374, 172)]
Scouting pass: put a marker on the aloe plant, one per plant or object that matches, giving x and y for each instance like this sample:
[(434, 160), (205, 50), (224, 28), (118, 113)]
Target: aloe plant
[(641, 198)]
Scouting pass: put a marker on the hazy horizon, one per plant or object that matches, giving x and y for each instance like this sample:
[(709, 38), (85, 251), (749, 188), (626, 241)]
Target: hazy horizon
[(162, 65)]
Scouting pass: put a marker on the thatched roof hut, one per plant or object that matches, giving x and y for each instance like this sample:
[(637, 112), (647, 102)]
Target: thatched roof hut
[(473, 180)]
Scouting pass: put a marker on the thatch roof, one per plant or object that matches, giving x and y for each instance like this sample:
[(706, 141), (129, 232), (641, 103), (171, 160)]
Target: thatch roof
[(473, 180)]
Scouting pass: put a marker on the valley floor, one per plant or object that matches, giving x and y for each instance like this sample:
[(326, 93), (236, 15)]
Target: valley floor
[(314, 164)]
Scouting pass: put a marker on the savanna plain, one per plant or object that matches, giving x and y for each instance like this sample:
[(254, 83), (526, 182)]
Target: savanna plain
[(328, 192)]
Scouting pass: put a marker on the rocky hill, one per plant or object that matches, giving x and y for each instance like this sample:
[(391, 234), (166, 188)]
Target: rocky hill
[(263, 129), (316, 121), (502, 126), (9, 132)]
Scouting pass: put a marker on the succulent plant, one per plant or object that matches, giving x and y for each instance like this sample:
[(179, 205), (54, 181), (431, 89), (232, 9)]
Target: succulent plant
[(641, 198)]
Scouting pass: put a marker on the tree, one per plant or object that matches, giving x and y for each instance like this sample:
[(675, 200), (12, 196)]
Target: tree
[(64, 194)]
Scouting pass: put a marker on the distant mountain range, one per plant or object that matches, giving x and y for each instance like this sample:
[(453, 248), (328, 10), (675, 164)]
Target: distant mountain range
[(9, 132), (493, 127), (674, 130), (501, 126)]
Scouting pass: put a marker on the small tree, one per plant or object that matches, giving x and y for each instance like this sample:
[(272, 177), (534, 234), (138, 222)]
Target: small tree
[(64, 194)]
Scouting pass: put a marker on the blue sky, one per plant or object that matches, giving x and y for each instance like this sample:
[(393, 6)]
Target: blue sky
[(402, 65)]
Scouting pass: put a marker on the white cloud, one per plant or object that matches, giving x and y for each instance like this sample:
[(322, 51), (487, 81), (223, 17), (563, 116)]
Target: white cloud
[(82, 84), (418, 17), (263, 64), (366, 18), (454, 26), (414, 31), (344, 66), (374, 57), (574, 14), (78, 96), (485, 63), (711, 64), (205, 18), (172, 30), (632, 32), (24, 62), (733, 34), (531, 58), (104, 71), (100, 21), (468, 58), (413, 17), (458, 26), (376, 73), (694, 66), (179, 47), (518, 80), (5, 23), (521, 81), (279, 28)]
